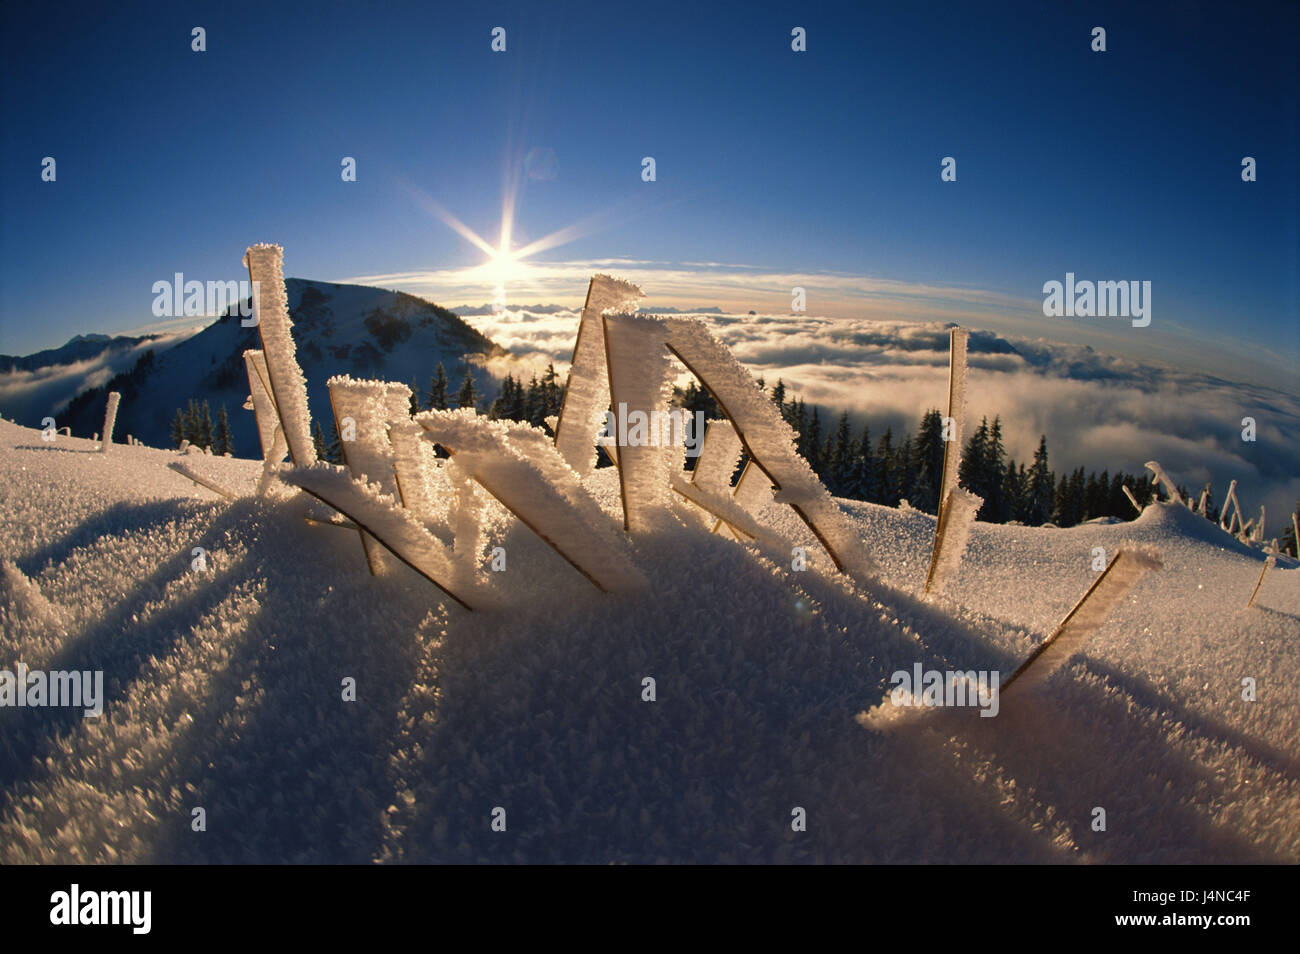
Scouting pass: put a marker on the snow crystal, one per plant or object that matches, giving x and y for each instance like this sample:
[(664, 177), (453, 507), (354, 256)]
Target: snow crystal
[(21, 594)]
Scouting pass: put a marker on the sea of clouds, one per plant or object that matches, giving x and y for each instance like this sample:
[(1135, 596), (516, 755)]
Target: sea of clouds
[(1098, 410)]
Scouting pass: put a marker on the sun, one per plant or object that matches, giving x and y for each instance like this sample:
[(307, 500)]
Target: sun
[(506, 268)]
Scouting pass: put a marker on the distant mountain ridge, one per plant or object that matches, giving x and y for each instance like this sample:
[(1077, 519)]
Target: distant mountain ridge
[(77, 348), (338, 329)]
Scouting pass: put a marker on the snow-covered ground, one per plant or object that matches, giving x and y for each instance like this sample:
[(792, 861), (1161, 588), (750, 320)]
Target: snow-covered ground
[(223, 690)]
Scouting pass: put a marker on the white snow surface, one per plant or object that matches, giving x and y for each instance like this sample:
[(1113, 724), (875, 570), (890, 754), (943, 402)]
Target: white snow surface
[(222, 689)]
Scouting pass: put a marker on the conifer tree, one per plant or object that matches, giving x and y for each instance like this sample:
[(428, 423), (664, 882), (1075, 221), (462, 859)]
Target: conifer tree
[(838, 460), (318, 439), (178, 428), (1041, 491), (437, 397), (813, 443), (204, 428), (514, 406), (971, 472), (862, 474), (778, 396), (991, 472), (929, 462), (467, 396), (1288, 541), (334, 446), (192, 421), (222, 441), (886, 470)]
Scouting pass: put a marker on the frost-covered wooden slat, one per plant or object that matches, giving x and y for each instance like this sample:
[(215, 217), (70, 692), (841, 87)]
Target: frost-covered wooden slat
[(753, 492), (110, 418), (718, 457), (202, 481), (719, 454), (1125, 571), (753, 489), (724, 510), (1155, 468), (412, 462), (639, 389), (260, 394), (287, 385), (369, 455), (522, 469), (586, 397), (958, 519), (769, 441), (1269, 563), (379, 516), (957, 507), (1226, 522)]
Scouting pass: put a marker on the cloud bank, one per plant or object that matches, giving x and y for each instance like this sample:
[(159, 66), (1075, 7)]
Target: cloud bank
[(1097, 410)]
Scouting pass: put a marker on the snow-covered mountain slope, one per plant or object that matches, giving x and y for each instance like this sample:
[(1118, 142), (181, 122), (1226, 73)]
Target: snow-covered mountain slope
[(223, 691), (338, 329)]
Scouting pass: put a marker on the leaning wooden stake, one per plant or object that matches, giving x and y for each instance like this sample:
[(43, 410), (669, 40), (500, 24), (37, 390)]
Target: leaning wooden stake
[(1131, 499), (1155, 468), (951, 446), (1268, 565), (202, 481), (1127, 568), (1230, 500)]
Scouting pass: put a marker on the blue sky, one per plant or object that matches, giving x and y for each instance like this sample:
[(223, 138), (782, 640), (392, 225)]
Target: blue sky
[(777, 168)]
